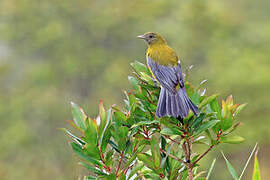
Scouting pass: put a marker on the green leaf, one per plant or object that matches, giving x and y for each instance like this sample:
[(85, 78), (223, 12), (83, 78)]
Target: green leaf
[(92, 151), (92, 169), (128, 144), (146, 159), (205, 126), (102, 116), (134, 82), (251, 154), (139, 67), (211, 169), (230, 168), (107, 177), (170, 131), (75, 138), (78, 116), (216, 108), (120, 117), (122, 137), (208, 100), (196, 98), (239, 109), (89, 178), (134, 155), (163, 161), (227, 122), (104, 133), (232, 140), (114, 146), (135, 170), (78, 150), (147, 78), (109, 158), (91, 132), (256, 170), (207, 132), (233, 128), (155, 153), (184, 174), (198, 121), (143, 123)]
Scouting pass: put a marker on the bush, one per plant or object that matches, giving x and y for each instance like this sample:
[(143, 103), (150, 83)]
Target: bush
[(132, 143)]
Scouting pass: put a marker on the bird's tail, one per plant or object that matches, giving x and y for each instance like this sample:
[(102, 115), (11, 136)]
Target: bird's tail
[(176, 105)]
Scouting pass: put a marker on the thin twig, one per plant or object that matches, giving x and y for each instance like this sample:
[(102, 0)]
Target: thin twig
[(168, 137), (185, 151), (119, 164), (219, 134), (189, 148), (201, 156), (174, 157), (188, 152)]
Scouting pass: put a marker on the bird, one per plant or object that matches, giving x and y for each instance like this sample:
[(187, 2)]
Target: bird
[(165, 67)]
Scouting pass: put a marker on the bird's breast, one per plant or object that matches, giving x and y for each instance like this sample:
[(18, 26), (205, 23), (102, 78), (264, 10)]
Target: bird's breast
[(162, 54)]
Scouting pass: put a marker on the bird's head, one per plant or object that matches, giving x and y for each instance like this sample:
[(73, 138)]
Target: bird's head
[(152, 38)]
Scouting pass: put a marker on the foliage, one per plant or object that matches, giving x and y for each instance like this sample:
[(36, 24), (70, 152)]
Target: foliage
[(256, 171), (134, 143)]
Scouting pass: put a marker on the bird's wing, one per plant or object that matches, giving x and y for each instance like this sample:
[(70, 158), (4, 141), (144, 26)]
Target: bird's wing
[(168, 76)]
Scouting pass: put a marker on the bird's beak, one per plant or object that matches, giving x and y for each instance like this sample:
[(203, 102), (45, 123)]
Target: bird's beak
[(141, 36)]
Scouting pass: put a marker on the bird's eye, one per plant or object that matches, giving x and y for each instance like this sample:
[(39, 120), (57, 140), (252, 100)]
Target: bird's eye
[(151, 36)]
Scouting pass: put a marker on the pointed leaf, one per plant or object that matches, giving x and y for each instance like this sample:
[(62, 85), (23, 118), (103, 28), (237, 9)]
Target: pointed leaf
[(78, 116), (102, 118), (208, 100), (163, 161), (211, 169), (256, 170), (232, 140), (114, 146), (170, 131), (146, 159), (143, 123), (78, 150), (134, 82), (229, 100), (155, 153), (75, 138), (205, 126), (139, 67), (92, 169), (230, 168), (239, 109), (91, 132), (135, 170), (251, 154), (103, 132), (198, 120)]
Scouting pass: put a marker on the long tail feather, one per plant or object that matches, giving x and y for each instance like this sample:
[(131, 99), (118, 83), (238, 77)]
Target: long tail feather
[(176, 105)]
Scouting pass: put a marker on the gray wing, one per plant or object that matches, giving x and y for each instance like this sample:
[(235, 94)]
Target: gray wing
[(168, 76)]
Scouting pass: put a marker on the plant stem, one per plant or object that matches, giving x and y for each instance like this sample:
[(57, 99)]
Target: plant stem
[(219, 134), (119, 164), (168, 137), (174, 157), (201, 156), (187, 150), (190, 174)]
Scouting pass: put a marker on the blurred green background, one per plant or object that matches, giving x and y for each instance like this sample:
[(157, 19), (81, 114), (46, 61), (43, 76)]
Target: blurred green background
[(56, 51)]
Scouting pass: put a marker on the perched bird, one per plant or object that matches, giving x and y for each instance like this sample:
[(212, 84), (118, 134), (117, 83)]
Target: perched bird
[(166, 69)]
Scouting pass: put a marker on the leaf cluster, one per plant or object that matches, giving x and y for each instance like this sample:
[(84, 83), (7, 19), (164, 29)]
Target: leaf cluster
[(132, 143)]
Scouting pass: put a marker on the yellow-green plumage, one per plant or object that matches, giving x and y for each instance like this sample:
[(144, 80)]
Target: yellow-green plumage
[(160, 52)]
